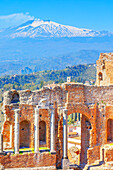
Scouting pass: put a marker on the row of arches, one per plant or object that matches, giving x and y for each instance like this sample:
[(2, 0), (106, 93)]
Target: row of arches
[(25, 133)]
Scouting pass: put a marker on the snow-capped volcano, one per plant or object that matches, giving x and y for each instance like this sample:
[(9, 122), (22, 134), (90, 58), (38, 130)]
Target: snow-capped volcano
[(36, 52), (41, 28)]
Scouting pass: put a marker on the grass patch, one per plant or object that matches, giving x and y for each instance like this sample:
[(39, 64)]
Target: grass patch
[(110, 144), (23, 150)]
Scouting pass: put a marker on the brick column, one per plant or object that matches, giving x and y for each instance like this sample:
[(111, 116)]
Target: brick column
[(52, 126), (36, 129), (16, 142), (65, 134)]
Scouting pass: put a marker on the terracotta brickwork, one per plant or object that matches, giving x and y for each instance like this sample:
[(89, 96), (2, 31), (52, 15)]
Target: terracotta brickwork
[(93, 154), (108, 153), (26, 114), (95, 103), (28, 160)]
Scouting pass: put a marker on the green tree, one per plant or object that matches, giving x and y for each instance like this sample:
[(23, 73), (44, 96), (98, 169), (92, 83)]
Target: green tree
[(41, 84)]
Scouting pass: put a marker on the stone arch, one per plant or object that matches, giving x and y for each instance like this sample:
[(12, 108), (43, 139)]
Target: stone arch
[(7, 134), (103, 64), (15, 97), (25, 133), (86, 129), (79, 108), (110, 130), (42, 132)]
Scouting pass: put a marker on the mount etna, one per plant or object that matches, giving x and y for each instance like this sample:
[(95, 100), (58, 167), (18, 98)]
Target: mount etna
[(45, 45)]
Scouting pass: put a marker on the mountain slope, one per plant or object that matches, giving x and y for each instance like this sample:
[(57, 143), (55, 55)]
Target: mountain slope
[(40, 28)]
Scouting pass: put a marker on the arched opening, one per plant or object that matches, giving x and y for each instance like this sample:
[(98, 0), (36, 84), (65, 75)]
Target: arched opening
[(15, 98), (110, 130), (7, 132), (100, 77), (103, 65), (24, 134), (79, 128), (7, 135), (42, 132)]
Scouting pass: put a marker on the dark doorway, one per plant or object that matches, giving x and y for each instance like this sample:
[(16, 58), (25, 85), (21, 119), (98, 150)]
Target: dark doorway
[(110, 130), (24, 134), (42, 132)]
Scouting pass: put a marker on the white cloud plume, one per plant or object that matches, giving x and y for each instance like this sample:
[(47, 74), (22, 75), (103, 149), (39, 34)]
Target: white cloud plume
[(14, 19)]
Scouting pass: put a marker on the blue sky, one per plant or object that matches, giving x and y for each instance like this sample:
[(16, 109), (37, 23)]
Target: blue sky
[(92, 14)]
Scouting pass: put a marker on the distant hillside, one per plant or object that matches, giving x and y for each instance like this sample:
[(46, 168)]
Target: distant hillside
[(51, 60), (78, 73)]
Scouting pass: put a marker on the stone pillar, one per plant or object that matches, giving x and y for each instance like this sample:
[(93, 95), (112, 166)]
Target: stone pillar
[(16, 131), (65, 134), (65, 160), (36, 129), (52, 126)]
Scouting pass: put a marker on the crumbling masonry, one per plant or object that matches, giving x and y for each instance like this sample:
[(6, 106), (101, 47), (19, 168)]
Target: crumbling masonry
[(39, 118)]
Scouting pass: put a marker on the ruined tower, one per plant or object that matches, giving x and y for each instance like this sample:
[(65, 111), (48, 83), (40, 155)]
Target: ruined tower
[(105, 70)]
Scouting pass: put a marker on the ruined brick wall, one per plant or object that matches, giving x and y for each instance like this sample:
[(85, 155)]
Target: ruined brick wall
[(95, 103), (93, 154), (29, 160), (58, 94), (26, 103), (108, 153), (100, 95)]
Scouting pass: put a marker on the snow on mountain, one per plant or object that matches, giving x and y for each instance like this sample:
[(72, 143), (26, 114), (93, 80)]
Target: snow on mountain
[(41, 28)]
